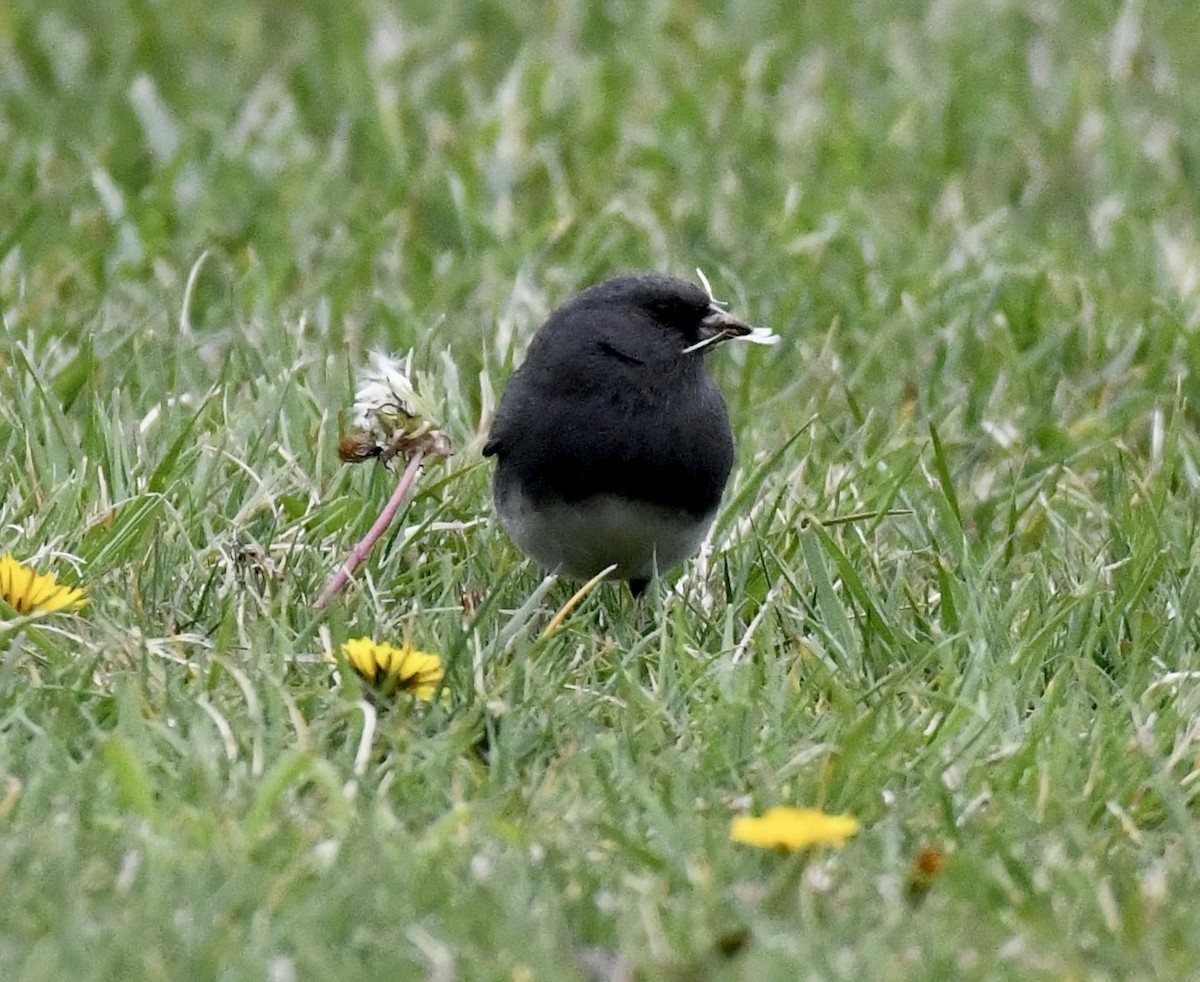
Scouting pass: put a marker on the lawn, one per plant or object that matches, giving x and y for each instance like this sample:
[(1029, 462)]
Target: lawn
[(953, 591)]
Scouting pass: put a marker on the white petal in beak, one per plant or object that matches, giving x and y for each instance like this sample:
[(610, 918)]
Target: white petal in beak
[(759, 335)]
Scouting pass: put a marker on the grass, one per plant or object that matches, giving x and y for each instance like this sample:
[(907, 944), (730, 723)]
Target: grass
[(954, 589)]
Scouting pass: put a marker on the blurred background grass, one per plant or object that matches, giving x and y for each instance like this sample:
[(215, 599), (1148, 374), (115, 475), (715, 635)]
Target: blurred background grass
[(971, 220)]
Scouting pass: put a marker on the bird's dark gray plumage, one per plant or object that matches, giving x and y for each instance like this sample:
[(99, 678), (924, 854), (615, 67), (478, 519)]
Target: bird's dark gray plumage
[(612, 443)]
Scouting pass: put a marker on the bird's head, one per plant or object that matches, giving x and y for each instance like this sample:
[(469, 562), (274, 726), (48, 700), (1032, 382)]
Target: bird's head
[(665, 313)]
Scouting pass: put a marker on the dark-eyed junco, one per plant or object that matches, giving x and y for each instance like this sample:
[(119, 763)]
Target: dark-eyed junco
[(612, 443)]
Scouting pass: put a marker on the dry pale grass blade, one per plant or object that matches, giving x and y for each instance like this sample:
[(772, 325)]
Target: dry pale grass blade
[(570, 605)]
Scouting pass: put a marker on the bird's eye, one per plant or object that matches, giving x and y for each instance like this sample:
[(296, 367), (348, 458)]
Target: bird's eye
[(680, 312)]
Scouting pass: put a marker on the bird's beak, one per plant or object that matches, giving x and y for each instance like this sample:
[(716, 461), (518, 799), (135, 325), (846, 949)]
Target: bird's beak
[(720, 325), (723, 326)]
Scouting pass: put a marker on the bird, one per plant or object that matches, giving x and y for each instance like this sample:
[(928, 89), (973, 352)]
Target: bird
[(613, 445)]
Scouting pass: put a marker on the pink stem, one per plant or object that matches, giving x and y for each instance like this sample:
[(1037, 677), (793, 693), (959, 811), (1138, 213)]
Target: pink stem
[(360, 551)]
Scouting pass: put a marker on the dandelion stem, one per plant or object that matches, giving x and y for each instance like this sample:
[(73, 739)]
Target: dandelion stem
[(360, 551)]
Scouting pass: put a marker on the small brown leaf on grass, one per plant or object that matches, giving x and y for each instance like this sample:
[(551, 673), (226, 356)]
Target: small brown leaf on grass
[(928, 863)]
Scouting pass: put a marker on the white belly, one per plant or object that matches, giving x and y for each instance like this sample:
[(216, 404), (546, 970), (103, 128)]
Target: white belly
[(582, 538)]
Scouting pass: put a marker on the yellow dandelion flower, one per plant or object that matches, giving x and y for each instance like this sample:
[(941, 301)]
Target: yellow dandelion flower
[(791, 829), (33, 593), (404, 669)]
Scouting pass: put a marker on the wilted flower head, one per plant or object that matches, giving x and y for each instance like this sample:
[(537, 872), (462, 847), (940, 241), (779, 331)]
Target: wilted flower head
[(31, 593), (395, 669), (790, 829), (389, 412)]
